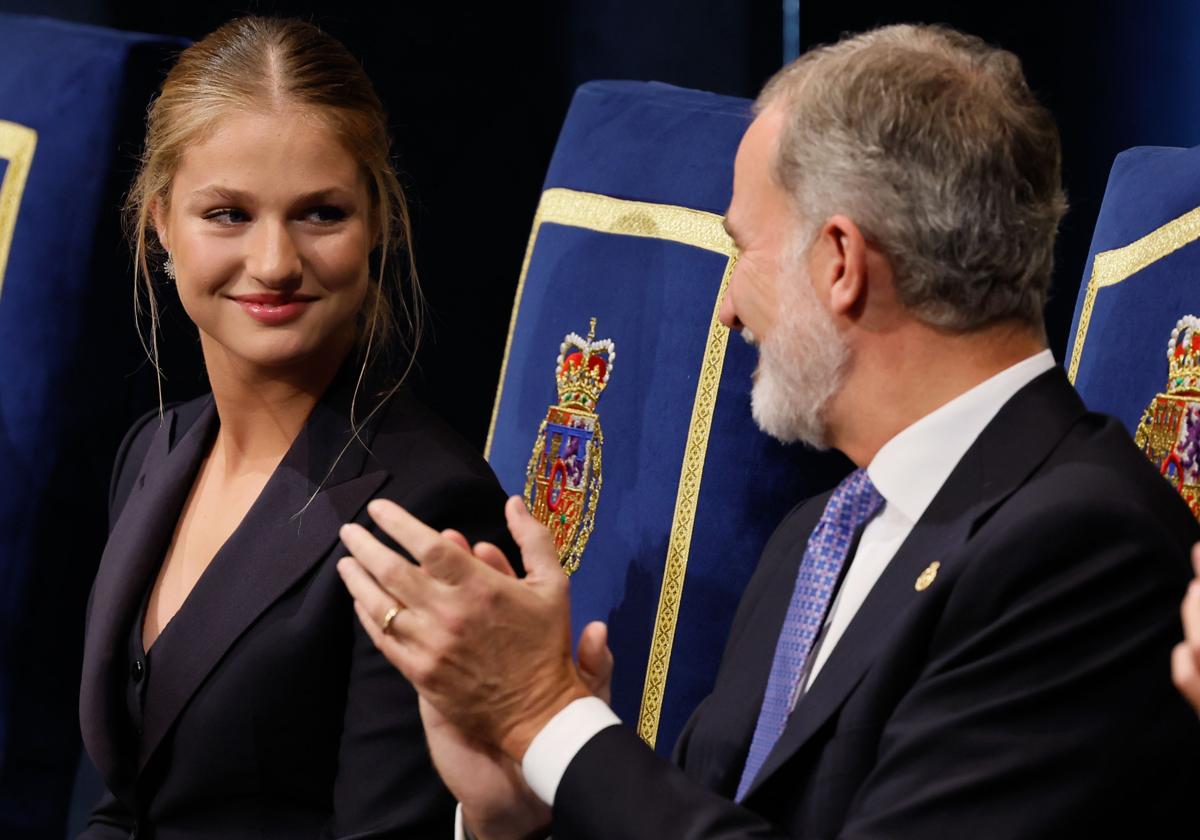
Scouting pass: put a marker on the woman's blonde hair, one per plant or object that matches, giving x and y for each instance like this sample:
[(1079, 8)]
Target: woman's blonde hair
[(261, 63)]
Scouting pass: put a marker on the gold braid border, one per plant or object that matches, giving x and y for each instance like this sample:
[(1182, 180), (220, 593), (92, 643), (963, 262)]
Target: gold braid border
[(686, 226), (680, 545), (17, 144), (1112, 267)]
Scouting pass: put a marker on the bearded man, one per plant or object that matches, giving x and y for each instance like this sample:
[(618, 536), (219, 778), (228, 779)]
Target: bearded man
[(970, 636)]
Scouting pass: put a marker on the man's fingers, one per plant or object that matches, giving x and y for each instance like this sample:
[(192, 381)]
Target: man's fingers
[(366, 591), (395, 651), (1189, 611), (1185, 673), (457, 538), (441, 558), (494, 557), (596, 660), (391, 571), (534, 540)]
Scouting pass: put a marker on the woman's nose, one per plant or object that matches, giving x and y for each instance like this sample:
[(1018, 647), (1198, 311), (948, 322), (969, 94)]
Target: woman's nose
[(274, 259)]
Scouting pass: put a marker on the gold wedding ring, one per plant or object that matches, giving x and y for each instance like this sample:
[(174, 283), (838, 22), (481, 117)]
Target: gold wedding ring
[(387, 619)]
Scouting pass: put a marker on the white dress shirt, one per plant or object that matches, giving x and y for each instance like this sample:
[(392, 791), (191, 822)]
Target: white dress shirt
[(908, 472)]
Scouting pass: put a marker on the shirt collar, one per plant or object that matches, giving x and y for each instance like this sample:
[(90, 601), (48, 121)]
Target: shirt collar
[(912, 467)]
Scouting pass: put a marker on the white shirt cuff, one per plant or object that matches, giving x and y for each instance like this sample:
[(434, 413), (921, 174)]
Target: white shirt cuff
[(460, 833), (560, 740)]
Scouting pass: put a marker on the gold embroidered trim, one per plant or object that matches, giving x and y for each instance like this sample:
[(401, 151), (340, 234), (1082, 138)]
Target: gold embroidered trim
[(606, 214), (1112, 267), (17, 144), (680, 545), (686, 226)]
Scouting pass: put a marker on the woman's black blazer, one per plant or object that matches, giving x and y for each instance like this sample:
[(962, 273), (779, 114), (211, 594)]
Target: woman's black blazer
[(263, 710)]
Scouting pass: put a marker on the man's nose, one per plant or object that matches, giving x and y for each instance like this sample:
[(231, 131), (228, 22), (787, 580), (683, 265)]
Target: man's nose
[(274, 259), (727, 314)]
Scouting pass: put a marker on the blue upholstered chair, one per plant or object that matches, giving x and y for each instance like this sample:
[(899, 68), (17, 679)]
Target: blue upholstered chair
[(71, 102), (623, 412), (1135, 340)]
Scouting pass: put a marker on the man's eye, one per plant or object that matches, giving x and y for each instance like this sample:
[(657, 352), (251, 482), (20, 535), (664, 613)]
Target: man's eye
[(326, 213), (227, 216)]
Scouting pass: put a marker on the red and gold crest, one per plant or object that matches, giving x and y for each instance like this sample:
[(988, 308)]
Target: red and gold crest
[(562, 481), (1169, 431)]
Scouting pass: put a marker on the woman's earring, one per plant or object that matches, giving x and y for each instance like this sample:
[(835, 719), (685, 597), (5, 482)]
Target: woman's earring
[(169, 267)]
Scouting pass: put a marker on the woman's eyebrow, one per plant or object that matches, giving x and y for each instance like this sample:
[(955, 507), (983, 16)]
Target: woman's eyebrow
[(235, 196)]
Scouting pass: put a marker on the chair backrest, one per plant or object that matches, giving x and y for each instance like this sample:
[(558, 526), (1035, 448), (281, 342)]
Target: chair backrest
[(70, 95), (1135, 339), (633, 437)]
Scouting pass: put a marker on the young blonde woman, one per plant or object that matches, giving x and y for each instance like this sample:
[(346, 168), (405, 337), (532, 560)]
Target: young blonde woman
[(228, 689)]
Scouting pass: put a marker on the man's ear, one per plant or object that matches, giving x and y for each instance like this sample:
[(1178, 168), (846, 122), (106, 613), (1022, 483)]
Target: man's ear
[(158, 217), (838, 263)]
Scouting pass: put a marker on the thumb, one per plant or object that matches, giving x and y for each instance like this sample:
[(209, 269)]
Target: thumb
[(534, 540), (494, 557), (596, 660)]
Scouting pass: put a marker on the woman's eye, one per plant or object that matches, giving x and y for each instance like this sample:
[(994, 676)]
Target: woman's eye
[(326, 214), (227, 216)]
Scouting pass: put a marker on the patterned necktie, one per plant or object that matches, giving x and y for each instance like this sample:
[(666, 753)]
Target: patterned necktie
[(853, 502)]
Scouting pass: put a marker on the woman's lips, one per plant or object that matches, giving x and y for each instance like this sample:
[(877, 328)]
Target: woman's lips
[(273, 309)]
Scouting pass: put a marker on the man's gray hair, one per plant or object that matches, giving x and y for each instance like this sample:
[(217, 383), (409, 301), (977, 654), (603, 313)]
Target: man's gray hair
[(932, 142)]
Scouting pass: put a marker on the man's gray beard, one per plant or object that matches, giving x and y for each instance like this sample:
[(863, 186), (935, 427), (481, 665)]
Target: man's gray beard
[(801, 365)]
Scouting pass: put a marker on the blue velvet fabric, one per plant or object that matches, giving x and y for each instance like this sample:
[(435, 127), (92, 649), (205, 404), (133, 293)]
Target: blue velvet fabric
[(654, 298), (1123, 362), (65, 327)]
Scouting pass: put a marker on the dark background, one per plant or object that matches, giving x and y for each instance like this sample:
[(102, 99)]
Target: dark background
[(476, 94)]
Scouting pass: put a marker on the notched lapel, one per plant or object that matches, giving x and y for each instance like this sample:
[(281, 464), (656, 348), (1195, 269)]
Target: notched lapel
[(132, 554), (287, 532), (1020, 437)]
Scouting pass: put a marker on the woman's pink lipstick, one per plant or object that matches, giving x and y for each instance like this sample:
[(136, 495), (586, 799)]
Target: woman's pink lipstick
[(274, 309)]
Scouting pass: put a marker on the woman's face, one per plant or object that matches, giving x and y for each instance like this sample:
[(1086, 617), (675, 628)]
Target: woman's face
[(269, 228)]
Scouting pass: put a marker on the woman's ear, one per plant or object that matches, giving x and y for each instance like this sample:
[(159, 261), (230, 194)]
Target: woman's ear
[(158, 217)]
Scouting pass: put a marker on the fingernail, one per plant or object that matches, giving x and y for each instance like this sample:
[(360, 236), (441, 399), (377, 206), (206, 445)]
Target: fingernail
[(1194, 589)]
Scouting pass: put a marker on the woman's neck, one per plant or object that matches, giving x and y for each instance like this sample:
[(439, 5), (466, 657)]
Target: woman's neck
[(262, 411)]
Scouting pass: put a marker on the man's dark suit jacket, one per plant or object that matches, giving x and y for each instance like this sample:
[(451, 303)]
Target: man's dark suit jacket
[(1025, 693), (267, 711)]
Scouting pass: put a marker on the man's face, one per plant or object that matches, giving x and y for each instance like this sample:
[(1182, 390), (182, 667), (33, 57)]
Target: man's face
[(771, 299)]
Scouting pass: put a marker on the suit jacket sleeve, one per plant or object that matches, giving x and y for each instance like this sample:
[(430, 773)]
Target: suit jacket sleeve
[(1061, 670), (1061, 624), (386, 785), (110, 819)]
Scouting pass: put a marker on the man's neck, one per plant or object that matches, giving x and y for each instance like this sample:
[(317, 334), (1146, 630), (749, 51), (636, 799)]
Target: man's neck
[(895, 381)]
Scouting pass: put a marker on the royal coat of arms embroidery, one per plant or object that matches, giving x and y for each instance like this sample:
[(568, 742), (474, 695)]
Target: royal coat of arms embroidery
[(562, 482), (1169, 431)]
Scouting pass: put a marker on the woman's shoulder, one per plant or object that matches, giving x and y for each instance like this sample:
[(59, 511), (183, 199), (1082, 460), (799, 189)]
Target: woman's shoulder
[(418, 447), (133, 448)]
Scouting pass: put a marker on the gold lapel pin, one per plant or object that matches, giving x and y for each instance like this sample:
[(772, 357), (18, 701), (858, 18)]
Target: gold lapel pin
[(926, 577)]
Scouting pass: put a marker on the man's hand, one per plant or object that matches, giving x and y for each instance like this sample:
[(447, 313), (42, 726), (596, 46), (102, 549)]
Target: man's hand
[(490, 652), (496, 802), (1185, 660)]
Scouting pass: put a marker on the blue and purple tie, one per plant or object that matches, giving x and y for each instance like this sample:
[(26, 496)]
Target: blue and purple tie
[(853, 502)]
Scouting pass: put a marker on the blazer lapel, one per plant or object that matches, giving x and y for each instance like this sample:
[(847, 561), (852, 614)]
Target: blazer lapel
[(132, 555), (1018, 439), (286, 532)]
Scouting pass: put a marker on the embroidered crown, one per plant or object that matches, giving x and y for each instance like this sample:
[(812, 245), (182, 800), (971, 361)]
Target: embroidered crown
[(1183, 357), (583, 368)]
